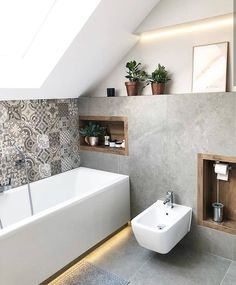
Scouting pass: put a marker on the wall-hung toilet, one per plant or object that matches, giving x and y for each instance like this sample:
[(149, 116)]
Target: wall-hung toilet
[(160, 228)]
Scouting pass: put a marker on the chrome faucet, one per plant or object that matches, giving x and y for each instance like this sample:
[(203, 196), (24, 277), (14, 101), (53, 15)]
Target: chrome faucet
[(169, 200), (6, 186), (23, 163), (20, 163)]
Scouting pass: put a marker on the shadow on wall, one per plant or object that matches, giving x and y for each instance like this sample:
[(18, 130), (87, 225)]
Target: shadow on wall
[(47, 130)]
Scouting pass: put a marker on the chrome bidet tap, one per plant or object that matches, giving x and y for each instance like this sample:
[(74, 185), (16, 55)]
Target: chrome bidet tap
[(169, 200)]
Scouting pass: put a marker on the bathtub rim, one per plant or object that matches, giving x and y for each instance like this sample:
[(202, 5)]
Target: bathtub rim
[(19, 226)]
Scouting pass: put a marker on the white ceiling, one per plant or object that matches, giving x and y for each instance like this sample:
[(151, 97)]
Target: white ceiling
[(102, 42)]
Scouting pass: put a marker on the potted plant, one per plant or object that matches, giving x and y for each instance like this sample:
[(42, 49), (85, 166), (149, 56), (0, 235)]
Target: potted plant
[(91, 133), (135, 75), (158, 79)]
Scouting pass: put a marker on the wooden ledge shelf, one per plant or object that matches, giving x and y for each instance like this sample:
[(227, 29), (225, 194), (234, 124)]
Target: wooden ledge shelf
[(105, 149), (207, 193), (160, 96), (117, 127), (226, 226)]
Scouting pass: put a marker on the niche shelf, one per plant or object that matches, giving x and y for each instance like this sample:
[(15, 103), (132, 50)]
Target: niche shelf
[(207, 193), (118, 129)]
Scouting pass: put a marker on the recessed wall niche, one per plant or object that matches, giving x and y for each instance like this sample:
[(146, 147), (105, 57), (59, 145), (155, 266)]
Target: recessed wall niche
[(207, 193), (117, 127)]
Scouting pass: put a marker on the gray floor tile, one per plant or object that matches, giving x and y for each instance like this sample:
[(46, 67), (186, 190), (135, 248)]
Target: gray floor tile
[(121, 255), (182, 267), (230, 278), (84, 273)]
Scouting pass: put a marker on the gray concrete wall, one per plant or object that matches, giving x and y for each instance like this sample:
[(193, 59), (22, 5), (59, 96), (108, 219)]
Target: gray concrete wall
[(165, 134)]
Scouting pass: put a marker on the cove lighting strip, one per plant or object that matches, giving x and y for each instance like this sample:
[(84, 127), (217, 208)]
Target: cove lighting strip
[(113, 244), (203, 25)]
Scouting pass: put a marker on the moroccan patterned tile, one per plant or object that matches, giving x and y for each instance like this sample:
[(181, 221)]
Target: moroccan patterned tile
[(44, 156), (54, 138), (66, 164), (42, 124), (73, 108), (34, 113), (3, 113), (32, 168), (53, 125), (74, 121), (14, 112), (76, 162), (30, 144), (6, 169), (18, 177), (54, 145), (7, 141), (13, 129), (65, 137), (43, 141), (55, 154), (28, 114), (46, 130), (66, 151), (63, 110), (44, 170), (30, 139), (74, 135), (52, 109), (64, 124), (55, 167), (75, 148)]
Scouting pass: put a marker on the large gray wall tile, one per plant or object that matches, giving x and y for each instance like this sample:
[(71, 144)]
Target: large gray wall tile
[(165, 135), (83, 106), (234, 247), (101, 161), (230, 277)]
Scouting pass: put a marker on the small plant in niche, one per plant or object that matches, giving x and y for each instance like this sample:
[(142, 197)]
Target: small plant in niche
[(91, 133), (158, 78), (135, 75)]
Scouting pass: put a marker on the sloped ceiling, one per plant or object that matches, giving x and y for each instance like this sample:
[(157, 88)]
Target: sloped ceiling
[(103, 41), (172, 12)]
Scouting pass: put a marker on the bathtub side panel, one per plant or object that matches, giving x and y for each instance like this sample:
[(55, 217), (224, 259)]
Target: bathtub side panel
[(50, 243), (14, 206)]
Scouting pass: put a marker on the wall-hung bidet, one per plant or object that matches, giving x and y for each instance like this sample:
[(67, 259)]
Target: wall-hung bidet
[(160, 227)]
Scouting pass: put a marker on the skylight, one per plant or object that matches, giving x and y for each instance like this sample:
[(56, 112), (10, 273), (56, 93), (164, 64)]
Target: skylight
[(34, 34)]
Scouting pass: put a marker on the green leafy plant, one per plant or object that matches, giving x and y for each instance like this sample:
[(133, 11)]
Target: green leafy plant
[(135, 72), (92, 130), (159, 75)]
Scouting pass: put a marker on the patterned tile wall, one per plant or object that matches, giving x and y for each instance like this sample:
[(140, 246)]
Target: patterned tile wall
[(46, 130)]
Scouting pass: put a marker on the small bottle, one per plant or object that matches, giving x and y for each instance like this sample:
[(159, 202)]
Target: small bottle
[(123, 144), (106, 137)]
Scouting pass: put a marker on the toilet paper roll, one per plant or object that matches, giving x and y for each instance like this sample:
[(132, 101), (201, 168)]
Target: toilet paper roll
[(221, 168), (223, 177)]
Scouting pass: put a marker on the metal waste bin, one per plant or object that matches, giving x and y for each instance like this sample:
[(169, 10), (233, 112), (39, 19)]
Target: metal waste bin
[(218, 212)]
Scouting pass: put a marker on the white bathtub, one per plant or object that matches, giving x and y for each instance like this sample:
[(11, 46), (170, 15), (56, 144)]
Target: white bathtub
[(73, 212)]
